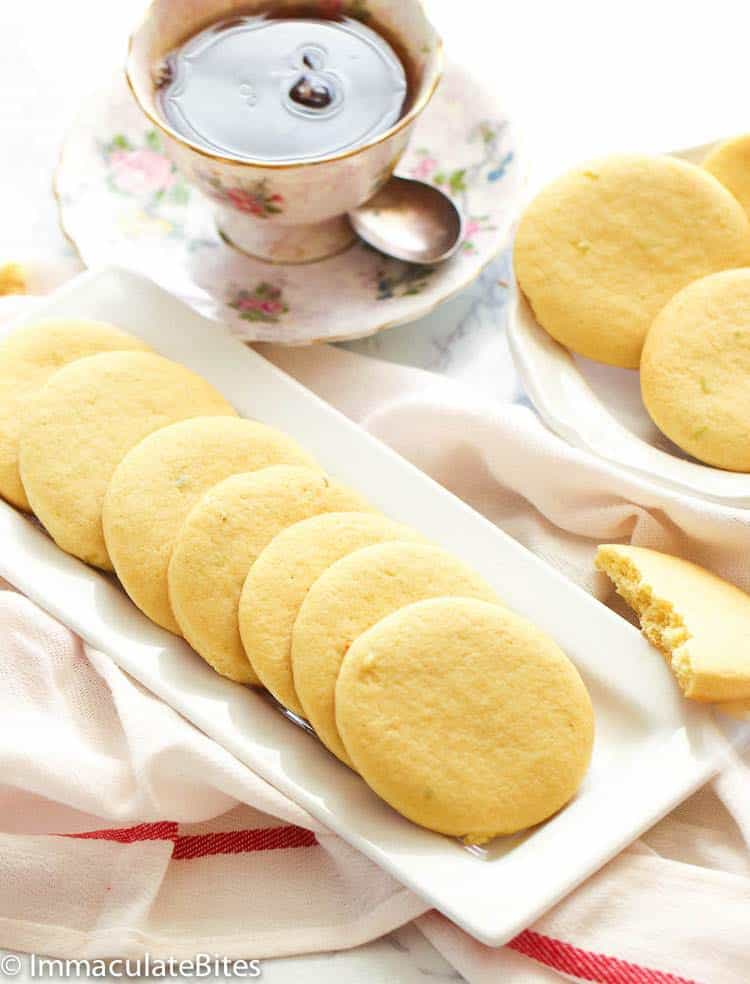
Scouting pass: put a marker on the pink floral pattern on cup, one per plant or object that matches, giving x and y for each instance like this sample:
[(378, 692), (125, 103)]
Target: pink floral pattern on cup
[(264, 303), (252, 199)]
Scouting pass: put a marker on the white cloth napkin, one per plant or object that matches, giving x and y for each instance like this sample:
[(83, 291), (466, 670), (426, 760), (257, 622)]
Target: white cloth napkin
[(124, 830)]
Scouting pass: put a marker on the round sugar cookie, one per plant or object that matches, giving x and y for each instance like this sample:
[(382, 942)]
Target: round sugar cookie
[(465, 718), (281, 577), (159, 481), (82, 423), (28, 357), (219, 542), (695, 371), (602, 249), (349, 598), (730, 164)]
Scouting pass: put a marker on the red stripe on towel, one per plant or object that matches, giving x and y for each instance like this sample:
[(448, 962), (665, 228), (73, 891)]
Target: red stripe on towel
[(587, 965), (187, 846), (164, 830), (241, 841)]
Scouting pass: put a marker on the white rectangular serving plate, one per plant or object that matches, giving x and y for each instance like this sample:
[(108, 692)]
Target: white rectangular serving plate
[(652, 748)]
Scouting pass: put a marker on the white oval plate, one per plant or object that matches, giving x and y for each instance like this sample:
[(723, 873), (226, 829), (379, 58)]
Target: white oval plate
[(652, 748), (598, 408)]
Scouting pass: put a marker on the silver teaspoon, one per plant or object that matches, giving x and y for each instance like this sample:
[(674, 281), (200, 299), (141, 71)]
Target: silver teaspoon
[(410, 220)]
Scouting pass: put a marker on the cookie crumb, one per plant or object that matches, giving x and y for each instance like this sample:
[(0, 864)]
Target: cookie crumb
[(12, 279)]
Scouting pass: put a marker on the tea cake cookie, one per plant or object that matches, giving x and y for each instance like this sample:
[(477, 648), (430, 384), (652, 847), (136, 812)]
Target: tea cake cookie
[(28, 357), (695, 371), (730, 164), (602, 249), (465, 718), (83, 422), (698, 621), (281, 577), (159, 481), (220, 540), (349, 598)]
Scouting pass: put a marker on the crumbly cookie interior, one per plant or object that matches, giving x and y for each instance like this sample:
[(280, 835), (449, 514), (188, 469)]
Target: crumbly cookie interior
[(662, 625)]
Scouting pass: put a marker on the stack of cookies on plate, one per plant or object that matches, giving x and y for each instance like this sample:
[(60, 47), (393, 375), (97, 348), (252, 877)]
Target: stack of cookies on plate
[(459, 713), (644, 263)]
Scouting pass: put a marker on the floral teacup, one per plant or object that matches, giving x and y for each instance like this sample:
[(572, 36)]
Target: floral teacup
[(286, 212)]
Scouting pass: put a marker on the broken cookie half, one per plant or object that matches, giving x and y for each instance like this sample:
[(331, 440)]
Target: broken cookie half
[(698, 621)]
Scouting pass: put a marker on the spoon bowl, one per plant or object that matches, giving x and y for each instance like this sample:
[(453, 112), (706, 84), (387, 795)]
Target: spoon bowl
[(410, 220)]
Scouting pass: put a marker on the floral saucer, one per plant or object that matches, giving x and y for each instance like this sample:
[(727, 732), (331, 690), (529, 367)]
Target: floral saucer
[(122, 202)]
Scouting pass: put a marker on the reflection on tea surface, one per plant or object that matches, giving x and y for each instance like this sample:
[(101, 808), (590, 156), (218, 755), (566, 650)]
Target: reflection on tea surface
[(283, 89)]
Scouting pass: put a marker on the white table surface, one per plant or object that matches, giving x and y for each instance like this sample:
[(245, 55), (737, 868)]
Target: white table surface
[(582, 77)]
